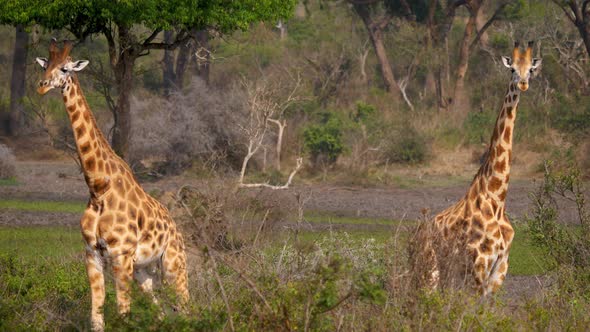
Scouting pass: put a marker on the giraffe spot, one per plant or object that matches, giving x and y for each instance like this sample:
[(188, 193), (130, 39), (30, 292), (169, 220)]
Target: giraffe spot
[(153, 246), (503, 267), (165, 226), (130, 240), (172, 231), (80, 130), (159, 225), (511, 87), (71, 108), (80, 102), (500, 213), (106, 220), (140, 221), (509, 112), (112, 241), (121, 218), (491, 226), (113, 166), (494, 184), (497, 234), (500, 166), (132, 213), (97, 289), (139, 192), (90, 164), (487, 211), (499, 150), (100, 165), (119, 229), (160, 239), (92, 134), (477, 222), (502, 195), (85, 148), (510, 156), (494, 206), (509, 98), (133, 198), (147, 237), (475, 236), (486, 246), (72, 93), (110, 201), (478, 203), (133, 228), (65, 99), (507, 232), (86, 116), (75, 116), (151, 225), (507, 134), (100, 186)]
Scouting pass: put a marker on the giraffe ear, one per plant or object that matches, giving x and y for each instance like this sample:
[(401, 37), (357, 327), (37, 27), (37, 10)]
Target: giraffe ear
[(536, 62), (77, 65), (507, 61), (42, 62)]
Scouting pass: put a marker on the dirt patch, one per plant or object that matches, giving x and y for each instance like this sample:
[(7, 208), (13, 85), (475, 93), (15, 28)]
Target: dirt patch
[(9, 217)]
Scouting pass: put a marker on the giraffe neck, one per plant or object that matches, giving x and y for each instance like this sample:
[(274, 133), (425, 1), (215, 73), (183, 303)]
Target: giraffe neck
[(494, 174), (96, 156)]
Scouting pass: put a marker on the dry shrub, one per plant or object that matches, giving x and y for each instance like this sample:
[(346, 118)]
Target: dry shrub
[(429, 251), (7, 162), (198, 123)]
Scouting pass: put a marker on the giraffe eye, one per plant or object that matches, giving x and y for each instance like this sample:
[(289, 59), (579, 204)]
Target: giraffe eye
[(63, 70)]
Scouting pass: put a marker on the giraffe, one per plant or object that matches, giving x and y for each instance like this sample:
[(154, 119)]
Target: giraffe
[(122, 225), (478, 220)]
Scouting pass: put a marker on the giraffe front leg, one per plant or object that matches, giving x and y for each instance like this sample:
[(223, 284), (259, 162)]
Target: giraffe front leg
[(94, 269), (123, 274)]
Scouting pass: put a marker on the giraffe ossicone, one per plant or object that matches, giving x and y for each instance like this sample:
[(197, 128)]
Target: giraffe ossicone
[(122, 226), (478, 221)]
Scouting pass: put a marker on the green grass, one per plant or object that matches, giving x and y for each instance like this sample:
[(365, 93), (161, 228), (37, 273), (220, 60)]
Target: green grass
[(9, 182), (41, 243), (42, 206), (327, 218)]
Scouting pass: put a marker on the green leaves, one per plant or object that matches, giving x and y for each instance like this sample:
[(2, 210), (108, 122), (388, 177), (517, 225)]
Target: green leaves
[(84, 18)]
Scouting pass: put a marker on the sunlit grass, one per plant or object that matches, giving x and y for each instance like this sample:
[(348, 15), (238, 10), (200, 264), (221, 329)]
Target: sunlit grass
[(42, 206), (9, 182)]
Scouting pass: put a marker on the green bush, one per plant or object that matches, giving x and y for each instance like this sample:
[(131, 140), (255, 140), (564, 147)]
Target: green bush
[(406, 146), (323, 141)]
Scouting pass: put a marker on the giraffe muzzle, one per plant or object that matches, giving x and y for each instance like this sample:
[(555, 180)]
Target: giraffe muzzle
[(43, 87), (523, 85)]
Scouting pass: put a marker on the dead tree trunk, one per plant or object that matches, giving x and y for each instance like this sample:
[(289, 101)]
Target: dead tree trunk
[(375, 31), (458, 94), (202, 55), (17, 82), (281, 125), (168, 74)]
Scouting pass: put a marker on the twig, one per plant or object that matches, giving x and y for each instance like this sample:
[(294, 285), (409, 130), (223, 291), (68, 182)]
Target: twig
[(222, 289)]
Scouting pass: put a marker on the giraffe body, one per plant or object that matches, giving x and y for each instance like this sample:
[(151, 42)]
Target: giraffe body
[(122, 226), (478, 220)]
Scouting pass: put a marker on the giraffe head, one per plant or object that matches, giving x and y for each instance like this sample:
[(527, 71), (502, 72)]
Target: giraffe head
[(523, 65), (58, 68)]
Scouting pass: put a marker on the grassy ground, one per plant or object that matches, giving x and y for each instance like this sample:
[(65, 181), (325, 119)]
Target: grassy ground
[(43, 206)]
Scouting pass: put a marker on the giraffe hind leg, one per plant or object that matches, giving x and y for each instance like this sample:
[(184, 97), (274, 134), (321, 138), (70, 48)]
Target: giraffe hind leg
[(174, 270)]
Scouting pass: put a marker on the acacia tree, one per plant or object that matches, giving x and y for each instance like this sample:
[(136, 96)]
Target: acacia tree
[(133, 28), (578, 12)]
